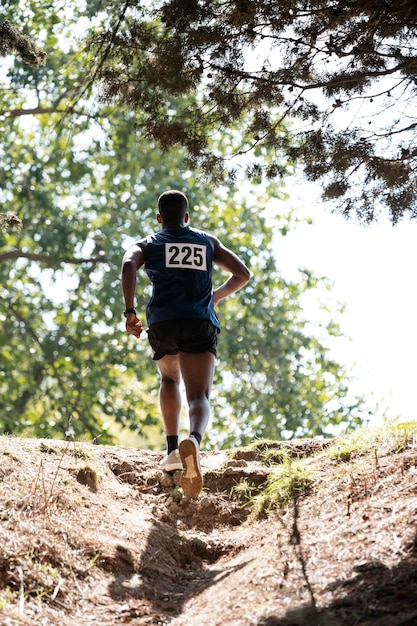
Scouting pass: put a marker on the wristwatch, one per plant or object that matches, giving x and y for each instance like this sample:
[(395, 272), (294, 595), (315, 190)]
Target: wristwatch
[(128, 312)]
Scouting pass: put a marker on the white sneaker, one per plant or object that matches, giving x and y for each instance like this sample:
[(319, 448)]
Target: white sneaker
[(171, 462), (192, 478)]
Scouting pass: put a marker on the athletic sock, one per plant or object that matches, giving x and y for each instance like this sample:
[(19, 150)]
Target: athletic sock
[(197, 436), (172, 443)]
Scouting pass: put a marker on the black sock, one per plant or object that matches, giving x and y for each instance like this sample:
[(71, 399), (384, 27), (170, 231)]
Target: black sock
[(197, 436), (172, 443)]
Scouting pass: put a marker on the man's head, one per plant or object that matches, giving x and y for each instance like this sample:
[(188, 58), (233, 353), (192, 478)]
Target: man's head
[(172, 209)]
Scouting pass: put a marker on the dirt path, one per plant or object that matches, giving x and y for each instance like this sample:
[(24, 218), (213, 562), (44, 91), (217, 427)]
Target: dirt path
[(98, 535)]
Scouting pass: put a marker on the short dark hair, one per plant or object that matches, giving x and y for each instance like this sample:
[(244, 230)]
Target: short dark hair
[(172, 204)]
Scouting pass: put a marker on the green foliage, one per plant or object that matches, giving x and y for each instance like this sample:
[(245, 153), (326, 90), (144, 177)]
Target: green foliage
[(65, 366), (341, 75), (281, 380), (85, 185)]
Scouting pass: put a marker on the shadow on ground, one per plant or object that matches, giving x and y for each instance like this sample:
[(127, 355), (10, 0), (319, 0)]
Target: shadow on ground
[(374, 595), (170, 570)]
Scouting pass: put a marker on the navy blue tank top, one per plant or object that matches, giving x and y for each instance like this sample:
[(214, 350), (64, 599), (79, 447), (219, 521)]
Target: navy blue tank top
[(178, 262)]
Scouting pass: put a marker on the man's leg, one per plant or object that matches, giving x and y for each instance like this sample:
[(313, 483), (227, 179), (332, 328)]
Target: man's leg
[(169, 392), (197, 372), (170, 402)]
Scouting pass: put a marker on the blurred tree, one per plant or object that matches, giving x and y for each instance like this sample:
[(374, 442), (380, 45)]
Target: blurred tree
[(277, 378), (13, 42), (342, 75), (85, 184), (64, 366)]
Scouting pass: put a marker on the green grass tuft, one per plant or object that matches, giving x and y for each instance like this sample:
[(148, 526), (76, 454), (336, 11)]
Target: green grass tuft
[(286, 481)]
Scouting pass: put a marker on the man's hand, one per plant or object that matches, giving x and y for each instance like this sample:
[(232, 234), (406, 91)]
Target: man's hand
[(134, 325)]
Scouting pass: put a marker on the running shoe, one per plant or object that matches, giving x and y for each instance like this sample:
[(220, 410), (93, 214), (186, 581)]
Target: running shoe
[(172, 462), (191, 479)]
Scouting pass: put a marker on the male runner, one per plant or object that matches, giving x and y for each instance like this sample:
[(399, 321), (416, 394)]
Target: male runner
[(183, 325)]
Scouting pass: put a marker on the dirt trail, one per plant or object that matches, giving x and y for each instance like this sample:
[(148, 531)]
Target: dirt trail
[(98, 535)]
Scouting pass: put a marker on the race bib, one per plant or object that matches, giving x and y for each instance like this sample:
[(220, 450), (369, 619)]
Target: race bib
[(190, 256)]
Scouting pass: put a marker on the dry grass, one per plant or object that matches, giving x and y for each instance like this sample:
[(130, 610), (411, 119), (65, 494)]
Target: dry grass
[(98, 535)]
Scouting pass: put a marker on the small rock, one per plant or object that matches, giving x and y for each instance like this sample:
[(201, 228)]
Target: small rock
[(236, 463), (165, 480), (174, 508)]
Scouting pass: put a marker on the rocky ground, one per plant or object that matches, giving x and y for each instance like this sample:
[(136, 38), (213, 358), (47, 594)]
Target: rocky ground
[(305, 533)]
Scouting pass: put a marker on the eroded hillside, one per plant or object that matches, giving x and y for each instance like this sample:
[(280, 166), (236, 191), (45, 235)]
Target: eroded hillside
[(284, 534)]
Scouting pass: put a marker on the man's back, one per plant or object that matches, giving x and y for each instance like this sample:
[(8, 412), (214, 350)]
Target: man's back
[(178, 262)]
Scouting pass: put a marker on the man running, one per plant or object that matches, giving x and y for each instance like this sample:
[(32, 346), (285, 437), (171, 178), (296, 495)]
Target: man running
[(183, 325)]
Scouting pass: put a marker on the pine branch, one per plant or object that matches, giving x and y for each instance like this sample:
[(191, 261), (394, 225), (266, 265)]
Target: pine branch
[(10, 220), (13, 42)]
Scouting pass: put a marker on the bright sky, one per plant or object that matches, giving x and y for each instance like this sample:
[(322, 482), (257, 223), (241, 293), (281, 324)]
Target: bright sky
[(374, 272)]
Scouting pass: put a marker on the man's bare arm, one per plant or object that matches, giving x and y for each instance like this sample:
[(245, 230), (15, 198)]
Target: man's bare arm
[(229, 261), (133, 259)]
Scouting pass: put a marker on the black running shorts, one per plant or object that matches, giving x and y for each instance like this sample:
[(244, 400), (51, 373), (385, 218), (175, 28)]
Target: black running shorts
[(183, 335)]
